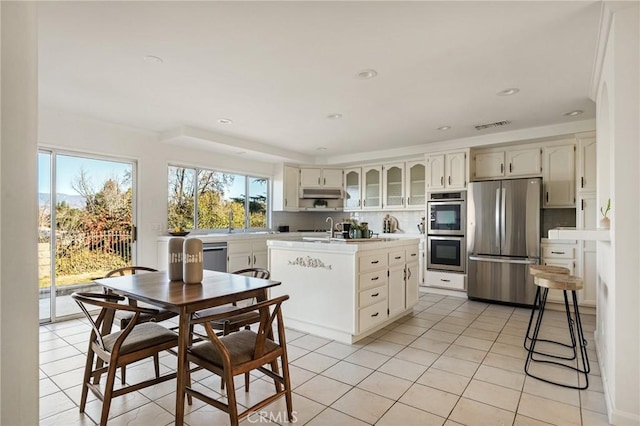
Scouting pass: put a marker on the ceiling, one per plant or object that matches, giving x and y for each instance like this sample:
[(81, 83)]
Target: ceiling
[(278, 70)]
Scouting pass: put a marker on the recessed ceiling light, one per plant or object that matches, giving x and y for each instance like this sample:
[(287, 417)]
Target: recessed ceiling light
[(444, 128), (321, 148), (225, 120), (573, 113), (153, 59), (366, 74), (334, 116), (508, 92)]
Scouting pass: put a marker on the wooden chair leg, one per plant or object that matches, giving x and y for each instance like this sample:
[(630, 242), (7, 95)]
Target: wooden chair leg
[(275, 369), (123, 374), (287, 387), (108, 395), (231, 399), (88, 368), (246, 382), (156, 364)]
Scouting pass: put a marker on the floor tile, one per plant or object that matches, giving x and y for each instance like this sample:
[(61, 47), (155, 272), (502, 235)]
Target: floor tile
[(481, 334), (430, 399), (412, 330), (385, 348), (491, 394), (593, 401), (367, 359), (457, 366), (309, 342), (336, 350), (149, 414), (548, 411), (498, 376), (315, 362), (591, 418), (71, 417), (363, 405), (473, 413), (47, 387), (472, 342), (546, 390), (55, 403), (347, 372), (509, 350), (440, 336), (404, 369), (323, 390), (448, 327), (467, 354), (401, 414), (331, 417), (430, 345), (417, 356), (528, 421), (396, 337), (385, 385), (445, 381)]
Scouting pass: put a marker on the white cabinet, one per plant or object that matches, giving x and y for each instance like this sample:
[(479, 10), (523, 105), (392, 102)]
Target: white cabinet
[(411, 283), (372, 187), (320, 178), (586, 162), (488, 165), (447, 171), (511, 162), (523, 162), (447, 280), (562, 254), (247, 254), (559, 175), (286, 185), (352, 189), (396, 281), (393, 186), (415, 185)]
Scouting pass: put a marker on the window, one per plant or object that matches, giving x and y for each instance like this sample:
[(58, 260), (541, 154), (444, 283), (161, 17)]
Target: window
[(208, 199)]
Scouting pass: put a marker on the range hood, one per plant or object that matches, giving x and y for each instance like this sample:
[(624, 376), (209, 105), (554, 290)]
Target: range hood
[(321, 193)]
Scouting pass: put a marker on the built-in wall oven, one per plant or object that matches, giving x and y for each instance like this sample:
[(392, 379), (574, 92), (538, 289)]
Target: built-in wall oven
[(446, 246), (446, 253)]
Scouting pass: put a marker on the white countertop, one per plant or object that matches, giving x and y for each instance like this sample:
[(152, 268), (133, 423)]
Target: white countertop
[(579, 234), (343, 246), (223, 236)]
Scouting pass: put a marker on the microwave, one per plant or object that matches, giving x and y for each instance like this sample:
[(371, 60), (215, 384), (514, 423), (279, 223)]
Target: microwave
[(447, 214)]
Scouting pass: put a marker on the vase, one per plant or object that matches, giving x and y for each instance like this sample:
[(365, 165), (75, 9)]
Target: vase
[(175, 259), (604, 223), (192, 258)]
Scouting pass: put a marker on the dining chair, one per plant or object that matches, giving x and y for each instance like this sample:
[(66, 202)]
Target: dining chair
[(233, 323), (133, 343), (124, 317), (241, 352)]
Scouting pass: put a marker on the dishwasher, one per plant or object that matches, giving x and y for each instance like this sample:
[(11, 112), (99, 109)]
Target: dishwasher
[(215, 256)]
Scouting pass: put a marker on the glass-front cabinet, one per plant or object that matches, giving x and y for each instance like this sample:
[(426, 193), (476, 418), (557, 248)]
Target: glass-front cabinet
[(415, 185), (352, 189), (372, 187), (393, 177)]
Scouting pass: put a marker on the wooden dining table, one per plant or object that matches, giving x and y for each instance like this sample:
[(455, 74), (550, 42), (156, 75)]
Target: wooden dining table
[(216, 288)]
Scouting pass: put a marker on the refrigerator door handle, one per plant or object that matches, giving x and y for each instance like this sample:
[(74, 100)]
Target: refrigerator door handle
[(498, 228), (532, 261), (503, 220)]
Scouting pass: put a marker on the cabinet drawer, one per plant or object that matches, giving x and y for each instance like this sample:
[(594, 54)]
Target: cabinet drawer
[(373, 262), (558, 252), (372, 315), (412, 255), (445, 280), (374, 295), (372, 279), (239, 247), (396, 257)]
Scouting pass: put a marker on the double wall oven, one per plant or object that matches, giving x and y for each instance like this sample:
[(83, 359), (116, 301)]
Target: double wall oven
[(446, 246)]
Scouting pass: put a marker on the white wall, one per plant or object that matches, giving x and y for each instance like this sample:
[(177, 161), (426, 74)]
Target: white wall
[(18, 216), (618, 336), (71, 132)]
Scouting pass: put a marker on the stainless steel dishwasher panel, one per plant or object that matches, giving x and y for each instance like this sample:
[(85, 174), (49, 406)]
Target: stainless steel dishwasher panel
[(215, 256)]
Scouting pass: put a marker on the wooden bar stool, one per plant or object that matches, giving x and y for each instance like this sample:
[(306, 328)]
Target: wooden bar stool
[(536, 270), (565, 283)]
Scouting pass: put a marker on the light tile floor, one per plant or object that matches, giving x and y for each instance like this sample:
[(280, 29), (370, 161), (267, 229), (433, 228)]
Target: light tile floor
[(452, 362)]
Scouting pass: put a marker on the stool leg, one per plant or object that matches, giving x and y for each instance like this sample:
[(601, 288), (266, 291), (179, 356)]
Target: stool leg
[(582, 340), (536, 304), (536, 331)]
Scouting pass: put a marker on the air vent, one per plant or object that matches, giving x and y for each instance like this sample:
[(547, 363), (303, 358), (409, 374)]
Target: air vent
[(490, 125)]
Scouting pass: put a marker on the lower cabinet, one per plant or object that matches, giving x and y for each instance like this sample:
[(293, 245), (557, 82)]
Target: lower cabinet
[(562, 254), (247, 254), (446, 280)]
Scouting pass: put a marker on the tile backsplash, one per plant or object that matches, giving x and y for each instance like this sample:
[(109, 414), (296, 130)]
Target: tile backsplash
[(553, 218)]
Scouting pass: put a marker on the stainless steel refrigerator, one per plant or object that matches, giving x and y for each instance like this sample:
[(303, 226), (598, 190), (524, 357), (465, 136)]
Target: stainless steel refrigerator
[(503, 238)]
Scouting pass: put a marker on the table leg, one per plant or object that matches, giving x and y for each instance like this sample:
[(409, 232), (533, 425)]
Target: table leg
[(183, 338)]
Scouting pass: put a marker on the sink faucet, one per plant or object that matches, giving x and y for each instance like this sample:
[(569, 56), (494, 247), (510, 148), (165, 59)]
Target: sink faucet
[(330, 219), (230, 221)]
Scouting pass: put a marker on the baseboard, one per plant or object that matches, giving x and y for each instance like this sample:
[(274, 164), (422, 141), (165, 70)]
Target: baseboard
[(443, 292), (615, 417)]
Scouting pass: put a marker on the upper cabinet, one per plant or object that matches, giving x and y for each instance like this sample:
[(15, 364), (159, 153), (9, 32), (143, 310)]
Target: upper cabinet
[(559, 175), (446, 171), (586, 162), (510, 162), (320, 178), (372, 187), (286, 184), (415, 185), (353, 189), (393, 186)]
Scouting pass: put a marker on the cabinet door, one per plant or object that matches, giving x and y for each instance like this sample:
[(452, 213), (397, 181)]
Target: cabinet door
[(332, 178), (310, 178), (489, 165), (456, 170), (393, 186), (291, 188), (260, 259), (352, 188), (588, 262), (237, 261), (524, 162), (587, 217), (411, 285), (435, 172), (372, 187), (396, 289), (587, 165), (415, 185), (559, 176)]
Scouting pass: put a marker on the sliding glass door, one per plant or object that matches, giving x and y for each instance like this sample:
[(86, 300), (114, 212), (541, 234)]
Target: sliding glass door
[(86, 225)]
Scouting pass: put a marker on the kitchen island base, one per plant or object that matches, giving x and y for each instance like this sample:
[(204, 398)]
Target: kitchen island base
[(345, 291)]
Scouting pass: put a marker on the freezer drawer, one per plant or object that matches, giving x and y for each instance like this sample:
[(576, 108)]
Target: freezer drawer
[(500, 279)]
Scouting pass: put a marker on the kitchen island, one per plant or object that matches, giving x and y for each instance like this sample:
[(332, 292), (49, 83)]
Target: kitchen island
[(345, 289)]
